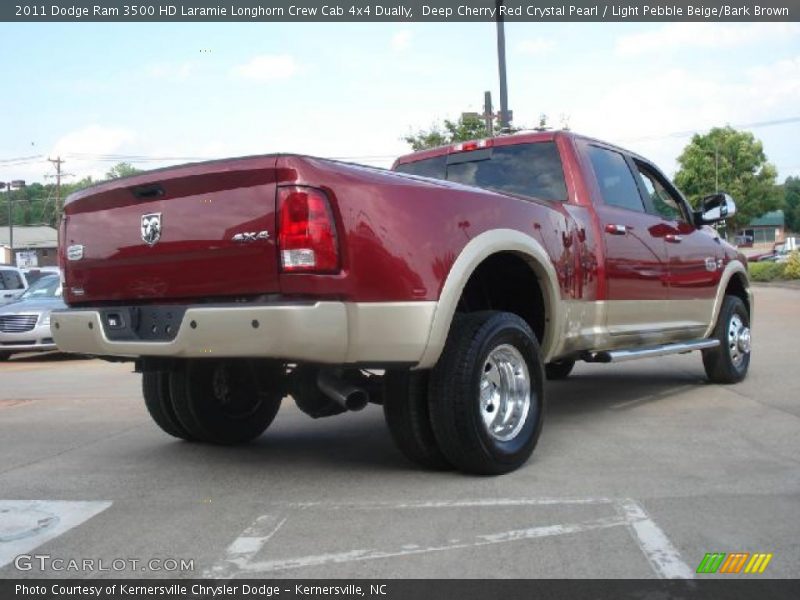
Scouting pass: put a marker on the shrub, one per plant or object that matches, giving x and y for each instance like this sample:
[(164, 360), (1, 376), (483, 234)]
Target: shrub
[(791, 268), (766, 271)]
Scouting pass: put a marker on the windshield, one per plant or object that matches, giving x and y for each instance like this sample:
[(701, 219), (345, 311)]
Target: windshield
[(46, 287)]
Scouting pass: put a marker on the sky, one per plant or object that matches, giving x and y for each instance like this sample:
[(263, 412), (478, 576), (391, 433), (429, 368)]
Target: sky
[(95, 93)]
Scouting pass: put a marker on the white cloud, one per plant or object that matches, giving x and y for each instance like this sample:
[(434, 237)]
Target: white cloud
[(401, 40), (777, 85), (646, 112), (94, 139), (174, 72), (267, 67), (717, 36), (81, 147), (535, 47)]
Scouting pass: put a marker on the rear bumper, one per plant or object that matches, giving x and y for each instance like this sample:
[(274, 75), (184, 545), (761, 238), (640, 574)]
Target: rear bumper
[(324, 332)]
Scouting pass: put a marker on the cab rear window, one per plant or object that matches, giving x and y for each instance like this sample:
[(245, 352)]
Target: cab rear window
[(533, 170)]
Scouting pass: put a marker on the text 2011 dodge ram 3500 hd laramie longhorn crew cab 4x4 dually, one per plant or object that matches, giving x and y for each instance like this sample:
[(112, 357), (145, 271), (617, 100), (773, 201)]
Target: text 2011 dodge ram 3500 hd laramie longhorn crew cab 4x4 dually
[(446, 289)]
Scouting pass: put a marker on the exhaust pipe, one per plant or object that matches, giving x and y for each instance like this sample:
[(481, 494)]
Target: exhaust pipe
[(344, 394)]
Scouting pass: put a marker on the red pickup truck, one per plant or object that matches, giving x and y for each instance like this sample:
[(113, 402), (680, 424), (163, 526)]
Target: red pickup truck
[(446, 289)]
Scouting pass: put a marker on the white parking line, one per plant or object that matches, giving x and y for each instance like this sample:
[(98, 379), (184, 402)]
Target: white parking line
[(246, 546), (409, 550), (662, 556), (27, 524)]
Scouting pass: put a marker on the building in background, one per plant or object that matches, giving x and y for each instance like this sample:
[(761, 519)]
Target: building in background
[(35, 246), (764, 231)]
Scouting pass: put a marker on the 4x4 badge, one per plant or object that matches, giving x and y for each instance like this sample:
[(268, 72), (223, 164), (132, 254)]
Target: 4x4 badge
[(151, 228)]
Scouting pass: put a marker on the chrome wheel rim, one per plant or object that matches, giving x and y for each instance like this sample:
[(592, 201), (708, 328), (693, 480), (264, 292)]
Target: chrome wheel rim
[(505, 393), (738, 340)]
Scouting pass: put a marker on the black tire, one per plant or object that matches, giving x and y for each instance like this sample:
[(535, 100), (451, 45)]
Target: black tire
[(455, 401), (157, 399), (405, 408), (226, 401), (559, 369), (309, 398), (4, 356), (721, 363)]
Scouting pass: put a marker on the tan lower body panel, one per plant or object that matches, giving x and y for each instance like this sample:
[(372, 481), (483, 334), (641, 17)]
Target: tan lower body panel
[(611, 324), (325, 332)]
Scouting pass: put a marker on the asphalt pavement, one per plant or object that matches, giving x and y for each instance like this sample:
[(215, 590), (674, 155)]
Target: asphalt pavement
[(642, 469)]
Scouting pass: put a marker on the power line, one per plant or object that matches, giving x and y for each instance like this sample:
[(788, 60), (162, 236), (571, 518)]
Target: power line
[(145, 158), (688, 132), (19, 158)]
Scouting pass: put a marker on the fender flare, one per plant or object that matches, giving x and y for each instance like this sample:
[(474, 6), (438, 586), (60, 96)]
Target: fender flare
[(733, 268), (474, 253)]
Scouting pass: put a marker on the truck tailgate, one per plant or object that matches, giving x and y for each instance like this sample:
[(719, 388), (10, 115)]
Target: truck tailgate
[(197, 231)]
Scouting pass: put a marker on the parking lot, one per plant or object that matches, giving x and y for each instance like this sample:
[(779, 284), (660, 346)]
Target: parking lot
[(641, 469)]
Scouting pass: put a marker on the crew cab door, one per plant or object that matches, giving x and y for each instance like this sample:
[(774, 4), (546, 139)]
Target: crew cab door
[(636, 257), (695, 255)]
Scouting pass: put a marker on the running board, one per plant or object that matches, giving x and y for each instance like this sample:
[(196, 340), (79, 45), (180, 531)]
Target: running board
[(607, 356)]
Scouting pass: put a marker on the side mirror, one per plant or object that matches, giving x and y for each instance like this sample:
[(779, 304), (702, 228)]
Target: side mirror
[(714, 208)]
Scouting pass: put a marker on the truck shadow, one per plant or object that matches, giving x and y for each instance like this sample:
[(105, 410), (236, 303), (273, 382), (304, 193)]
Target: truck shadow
[(620, 390), (44, 357), (360, 442)]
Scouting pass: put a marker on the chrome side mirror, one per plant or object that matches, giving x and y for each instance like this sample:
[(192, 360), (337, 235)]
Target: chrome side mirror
[(715, 208)]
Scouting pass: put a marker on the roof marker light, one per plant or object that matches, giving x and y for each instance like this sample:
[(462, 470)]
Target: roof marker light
[(472, 145)]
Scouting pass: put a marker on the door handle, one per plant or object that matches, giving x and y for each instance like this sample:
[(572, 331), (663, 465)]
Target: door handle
[(673, 238), (615, 229)]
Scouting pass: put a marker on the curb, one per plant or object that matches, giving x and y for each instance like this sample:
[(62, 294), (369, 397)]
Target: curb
[(787, 285)]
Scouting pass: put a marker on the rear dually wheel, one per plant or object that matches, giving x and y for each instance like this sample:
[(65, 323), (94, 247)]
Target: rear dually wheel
[(227, 401)]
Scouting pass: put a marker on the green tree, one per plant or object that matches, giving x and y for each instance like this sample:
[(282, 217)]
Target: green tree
[(791, 203), (122, 169), (35, 204), (737, 160), (467, 127)]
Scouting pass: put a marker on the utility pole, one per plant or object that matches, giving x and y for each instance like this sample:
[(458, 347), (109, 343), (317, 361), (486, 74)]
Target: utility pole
[(501, 62), (17, 184), (10, 221), (57, 162), (488, 115)]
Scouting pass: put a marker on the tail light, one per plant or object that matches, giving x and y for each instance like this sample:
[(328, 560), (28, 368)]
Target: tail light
[(306, 231)]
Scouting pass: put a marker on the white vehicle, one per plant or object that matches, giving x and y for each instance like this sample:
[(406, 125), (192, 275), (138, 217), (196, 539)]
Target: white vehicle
[(12, 284), (33, 274)]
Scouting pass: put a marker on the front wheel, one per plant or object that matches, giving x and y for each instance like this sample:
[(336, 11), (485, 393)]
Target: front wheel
[(4, 356), (728, 362), (225, 401), (486, 393)]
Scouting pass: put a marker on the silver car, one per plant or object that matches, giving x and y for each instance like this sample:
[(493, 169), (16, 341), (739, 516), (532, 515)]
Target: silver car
[(25, 323)]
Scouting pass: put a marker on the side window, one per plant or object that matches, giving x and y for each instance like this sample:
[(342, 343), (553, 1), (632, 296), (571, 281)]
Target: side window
[(664, 203), (617, 185), (10, 280)]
